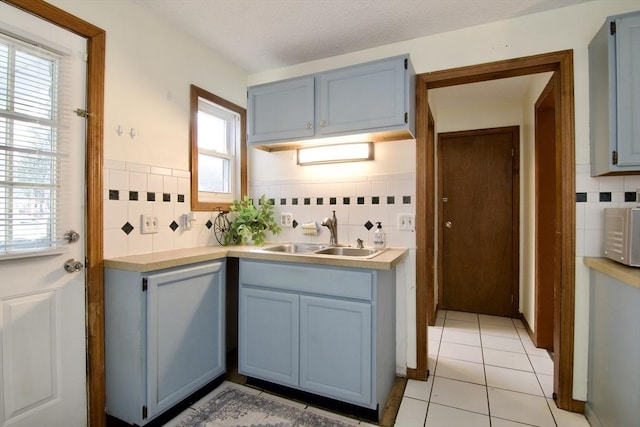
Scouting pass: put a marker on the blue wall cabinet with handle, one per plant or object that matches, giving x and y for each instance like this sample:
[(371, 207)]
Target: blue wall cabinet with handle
[(325, 330), (375, 100), (281, 111), (614, 91), (164, 337), (366, 97)]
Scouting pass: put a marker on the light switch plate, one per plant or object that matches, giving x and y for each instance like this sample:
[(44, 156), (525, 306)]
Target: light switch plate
[(286, 220), (406, 222)]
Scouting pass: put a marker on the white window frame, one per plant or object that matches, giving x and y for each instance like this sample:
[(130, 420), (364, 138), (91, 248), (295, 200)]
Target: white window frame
[(53, 242), (232, 121)]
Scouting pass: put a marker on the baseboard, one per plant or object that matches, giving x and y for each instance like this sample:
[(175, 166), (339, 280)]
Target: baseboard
[(528, 328), (578, 406), (591, 416)]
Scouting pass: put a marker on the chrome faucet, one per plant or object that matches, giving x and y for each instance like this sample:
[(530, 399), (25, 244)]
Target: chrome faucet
[(359, 244), (332, 225)]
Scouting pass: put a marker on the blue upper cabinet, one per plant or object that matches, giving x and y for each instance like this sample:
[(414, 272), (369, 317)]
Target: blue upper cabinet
[(614, 86), (367, 97), (376, 99), (281, 111)]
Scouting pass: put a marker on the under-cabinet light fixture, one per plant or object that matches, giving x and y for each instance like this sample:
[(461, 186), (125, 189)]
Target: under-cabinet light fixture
[(352, 152)]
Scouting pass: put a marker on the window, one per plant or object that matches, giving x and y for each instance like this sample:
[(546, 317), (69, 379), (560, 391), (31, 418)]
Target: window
[(218, 157), (32, 149)]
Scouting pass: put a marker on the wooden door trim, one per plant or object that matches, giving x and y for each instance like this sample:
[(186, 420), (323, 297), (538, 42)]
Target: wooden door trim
[(96, 40), (544, 314), (515, 208), (562, 63)]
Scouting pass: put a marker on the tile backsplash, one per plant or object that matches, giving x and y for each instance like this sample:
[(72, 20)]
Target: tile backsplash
[(593, 195), (359, 202), (132, 190)]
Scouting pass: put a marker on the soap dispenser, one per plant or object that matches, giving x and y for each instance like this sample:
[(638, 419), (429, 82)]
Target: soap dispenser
[(379, 238)]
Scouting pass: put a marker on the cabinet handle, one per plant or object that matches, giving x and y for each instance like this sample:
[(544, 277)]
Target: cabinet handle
[(323, 124), (309, 125)]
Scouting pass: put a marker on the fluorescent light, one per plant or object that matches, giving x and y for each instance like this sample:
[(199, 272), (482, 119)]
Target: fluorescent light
[(335, 153)]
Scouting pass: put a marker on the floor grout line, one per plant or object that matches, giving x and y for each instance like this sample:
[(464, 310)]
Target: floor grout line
[(486, 381)]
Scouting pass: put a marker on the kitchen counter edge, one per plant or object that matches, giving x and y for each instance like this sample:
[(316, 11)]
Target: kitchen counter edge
[(621, 272), (179, 257)]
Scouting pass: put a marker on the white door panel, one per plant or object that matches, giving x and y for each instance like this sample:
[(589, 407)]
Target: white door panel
[(42, 307)]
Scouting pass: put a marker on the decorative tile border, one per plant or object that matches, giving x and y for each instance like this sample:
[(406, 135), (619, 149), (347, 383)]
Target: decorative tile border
[(323, 201)]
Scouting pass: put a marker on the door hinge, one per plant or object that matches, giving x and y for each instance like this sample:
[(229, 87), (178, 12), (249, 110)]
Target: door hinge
[(144, 413), (513, 153), (406, 118), (406, 63), (612, 28), (145, 284), (614, 157), (82, 113)]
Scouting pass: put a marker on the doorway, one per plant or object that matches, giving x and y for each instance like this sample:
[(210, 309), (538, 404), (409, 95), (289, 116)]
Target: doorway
[(478, 214), (561, 64)]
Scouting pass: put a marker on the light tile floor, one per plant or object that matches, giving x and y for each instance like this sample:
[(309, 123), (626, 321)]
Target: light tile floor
[(485, 371)]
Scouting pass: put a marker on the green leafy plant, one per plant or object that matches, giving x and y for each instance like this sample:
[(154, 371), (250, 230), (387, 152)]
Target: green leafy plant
[(251, 223)]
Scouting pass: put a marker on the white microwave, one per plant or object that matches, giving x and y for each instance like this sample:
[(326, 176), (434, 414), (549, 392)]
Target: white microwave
[(622, 235)]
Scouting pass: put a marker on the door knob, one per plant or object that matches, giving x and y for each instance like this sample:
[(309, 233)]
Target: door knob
[(448, 224), (73, 265)]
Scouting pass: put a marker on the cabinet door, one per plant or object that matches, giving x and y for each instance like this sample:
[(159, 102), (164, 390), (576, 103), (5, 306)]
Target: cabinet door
[(628, 89), (362, 97), (185, 333), (268, 335), (336, 349), (280, 111)]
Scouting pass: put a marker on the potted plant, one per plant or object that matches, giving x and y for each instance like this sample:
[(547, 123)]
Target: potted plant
[(250, 223)]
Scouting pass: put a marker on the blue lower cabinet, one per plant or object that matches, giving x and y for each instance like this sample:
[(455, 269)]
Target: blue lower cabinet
[(164, 337), (335, 349), (268, 335), (325, 330)]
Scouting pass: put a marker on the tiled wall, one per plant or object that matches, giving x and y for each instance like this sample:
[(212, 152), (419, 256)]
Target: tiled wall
[(133, 189), (359, 203), (592, 196)]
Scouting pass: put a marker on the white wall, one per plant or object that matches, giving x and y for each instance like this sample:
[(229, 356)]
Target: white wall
[(149, 68), (566, 28)]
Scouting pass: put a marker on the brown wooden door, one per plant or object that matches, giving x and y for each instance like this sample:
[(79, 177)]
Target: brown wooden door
[(479, 220)]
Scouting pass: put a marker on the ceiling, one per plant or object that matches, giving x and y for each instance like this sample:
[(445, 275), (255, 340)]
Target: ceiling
[(503, 91), (260, 35)]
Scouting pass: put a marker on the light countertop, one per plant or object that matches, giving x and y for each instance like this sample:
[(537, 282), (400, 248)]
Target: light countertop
[(174, 258), (621, 272)]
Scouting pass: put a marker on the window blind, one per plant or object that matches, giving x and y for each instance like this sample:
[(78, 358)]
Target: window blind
[(33, 149)]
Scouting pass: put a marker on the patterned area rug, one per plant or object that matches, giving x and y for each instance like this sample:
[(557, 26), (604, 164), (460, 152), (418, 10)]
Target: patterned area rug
[(233, 407)]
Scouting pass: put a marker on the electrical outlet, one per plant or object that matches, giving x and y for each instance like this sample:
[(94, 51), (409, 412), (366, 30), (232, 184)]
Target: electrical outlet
[(406, 222), (149, 224), (286, 220)]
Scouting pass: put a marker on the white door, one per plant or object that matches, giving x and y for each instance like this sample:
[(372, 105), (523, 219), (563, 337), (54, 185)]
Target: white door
[(42, 307)]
